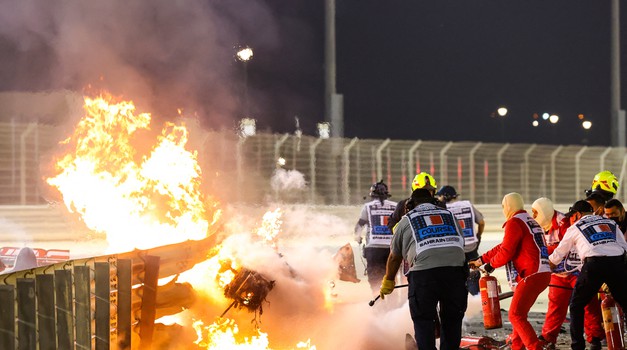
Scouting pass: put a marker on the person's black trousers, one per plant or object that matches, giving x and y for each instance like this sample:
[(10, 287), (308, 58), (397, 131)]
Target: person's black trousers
[(376, 260), (595, 271), (427, 288), (472, 283)]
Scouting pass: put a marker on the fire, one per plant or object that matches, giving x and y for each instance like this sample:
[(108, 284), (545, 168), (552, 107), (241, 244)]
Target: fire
[(137, 200), (225, 334), (142, 199)]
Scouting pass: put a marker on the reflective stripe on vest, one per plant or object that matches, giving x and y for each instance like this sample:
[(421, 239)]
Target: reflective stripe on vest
[(466, 218), (433, 227)]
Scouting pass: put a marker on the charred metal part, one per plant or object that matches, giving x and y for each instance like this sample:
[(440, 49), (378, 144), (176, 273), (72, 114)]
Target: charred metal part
[(249, 290)]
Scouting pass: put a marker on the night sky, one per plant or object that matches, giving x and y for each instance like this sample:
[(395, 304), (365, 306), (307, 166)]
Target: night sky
[(431, 70)]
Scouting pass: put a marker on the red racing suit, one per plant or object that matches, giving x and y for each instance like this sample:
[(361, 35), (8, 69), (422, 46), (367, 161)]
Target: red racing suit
[(561, 289), (523, 246)]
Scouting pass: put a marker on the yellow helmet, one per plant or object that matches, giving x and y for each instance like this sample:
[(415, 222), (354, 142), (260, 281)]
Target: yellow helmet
[(423, 180), (605, 181)]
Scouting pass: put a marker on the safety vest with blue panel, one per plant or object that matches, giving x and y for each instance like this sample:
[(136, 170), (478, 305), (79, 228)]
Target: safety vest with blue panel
[(378, 214), (597, 230), (434, 227), (465, 215)]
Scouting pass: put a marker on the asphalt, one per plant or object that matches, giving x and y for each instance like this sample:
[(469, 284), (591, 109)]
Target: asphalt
[(473, 326)]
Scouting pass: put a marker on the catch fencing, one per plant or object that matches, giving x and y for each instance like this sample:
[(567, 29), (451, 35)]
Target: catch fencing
[(306, 169)]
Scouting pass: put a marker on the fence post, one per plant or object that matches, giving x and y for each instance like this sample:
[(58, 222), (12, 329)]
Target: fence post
[(7, 317), (312, 169), (82, 304), (45, 314), (379, 160), (346, 170), (602, 159), (26, 314), (526, 157), (578, 168), (553, 175), (238, 166), (65, 313), (149, 302), (499, 170), (471, 165), (102, 314), (411, 169), (125, 274), (443, 163), (277, 146)]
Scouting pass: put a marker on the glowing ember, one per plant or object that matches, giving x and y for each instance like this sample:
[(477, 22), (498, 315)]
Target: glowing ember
[(138, 200)]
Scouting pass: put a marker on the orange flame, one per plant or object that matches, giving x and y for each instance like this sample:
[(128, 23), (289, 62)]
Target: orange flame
[(138, 200)]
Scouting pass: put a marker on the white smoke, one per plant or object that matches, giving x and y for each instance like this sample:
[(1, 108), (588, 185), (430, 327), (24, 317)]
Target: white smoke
[(287, 180)]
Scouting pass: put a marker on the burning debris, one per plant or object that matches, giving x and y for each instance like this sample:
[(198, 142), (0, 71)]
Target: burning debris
[(143, 192), (249, 290)]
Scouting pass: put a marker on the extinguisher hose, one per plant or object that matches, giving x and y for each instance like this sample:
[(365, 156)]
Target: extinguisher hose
[(371, 302)]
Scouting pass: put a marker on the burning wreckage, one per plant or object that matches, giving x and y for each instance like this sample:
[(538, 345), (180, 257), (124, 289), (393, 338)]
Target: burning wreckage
[(150, 207)]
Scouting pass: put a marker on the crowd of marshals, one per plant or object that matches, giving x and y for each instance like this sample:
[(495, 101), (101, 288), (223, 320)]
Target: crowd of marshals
[(579, 249)]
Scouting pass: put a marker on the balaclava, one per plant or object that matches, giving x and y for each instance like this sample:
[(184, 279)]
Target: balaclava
[(512, 202), (545, 210)]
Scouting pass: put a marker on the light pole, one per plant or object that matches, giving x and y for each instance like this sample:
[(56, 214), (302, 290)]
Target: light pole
[(244, 55)]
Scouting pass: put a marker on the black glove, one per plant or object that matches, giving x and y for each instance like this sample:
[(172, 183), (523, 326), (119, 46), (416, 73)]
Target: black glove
[(488, 268)]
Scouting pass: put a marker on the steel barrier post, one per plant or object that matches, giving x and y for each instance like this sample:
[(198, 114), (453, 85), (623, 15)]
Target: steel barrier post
[(602, 159), (578, 168), (526, 155), (443, 163), (553, 175), (499, 169), (312, 169), (411, 169), (379, 160), (471, 165), (346, 170)]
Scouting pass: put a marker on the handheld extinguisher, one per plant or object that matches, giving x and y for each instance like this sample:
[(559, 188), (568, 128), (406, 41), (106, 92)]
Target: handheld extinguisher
[(612, 323), (489, 289)]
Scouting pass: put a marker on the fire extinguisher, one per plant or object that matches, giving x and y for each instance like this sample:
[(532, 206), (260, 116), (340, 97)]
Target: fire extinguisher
[(612, 323), (489, 288)]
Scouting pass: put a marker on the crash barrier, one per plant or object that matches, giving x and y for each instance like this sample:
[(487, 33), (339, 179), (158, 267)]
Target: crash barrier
[(305, 169), (105, 302)]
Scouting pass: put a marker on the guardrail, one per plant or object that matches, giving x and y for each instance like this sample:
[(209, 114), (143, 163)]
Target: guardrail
[(53, 304)]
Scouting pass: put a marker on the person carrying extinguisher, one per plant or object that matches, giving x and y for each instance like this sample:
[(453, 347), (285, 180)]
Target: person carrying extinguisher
[(601, 246), (554, 224), (522, 247)]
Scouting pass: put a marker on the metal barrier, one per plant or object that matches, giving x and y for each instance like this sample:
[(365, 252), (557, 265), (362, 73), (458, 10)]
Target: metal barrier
[(53, 304), (340, 171)]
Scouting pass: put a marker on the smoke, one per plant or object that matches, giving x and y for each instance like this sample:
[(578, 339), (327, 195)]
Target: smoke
[(287, 180), (161, 54)]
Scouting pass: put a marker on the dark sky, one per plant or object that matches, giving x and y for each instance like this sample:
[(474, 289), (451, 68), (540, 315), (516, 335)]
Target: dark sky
[(431, 70)]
